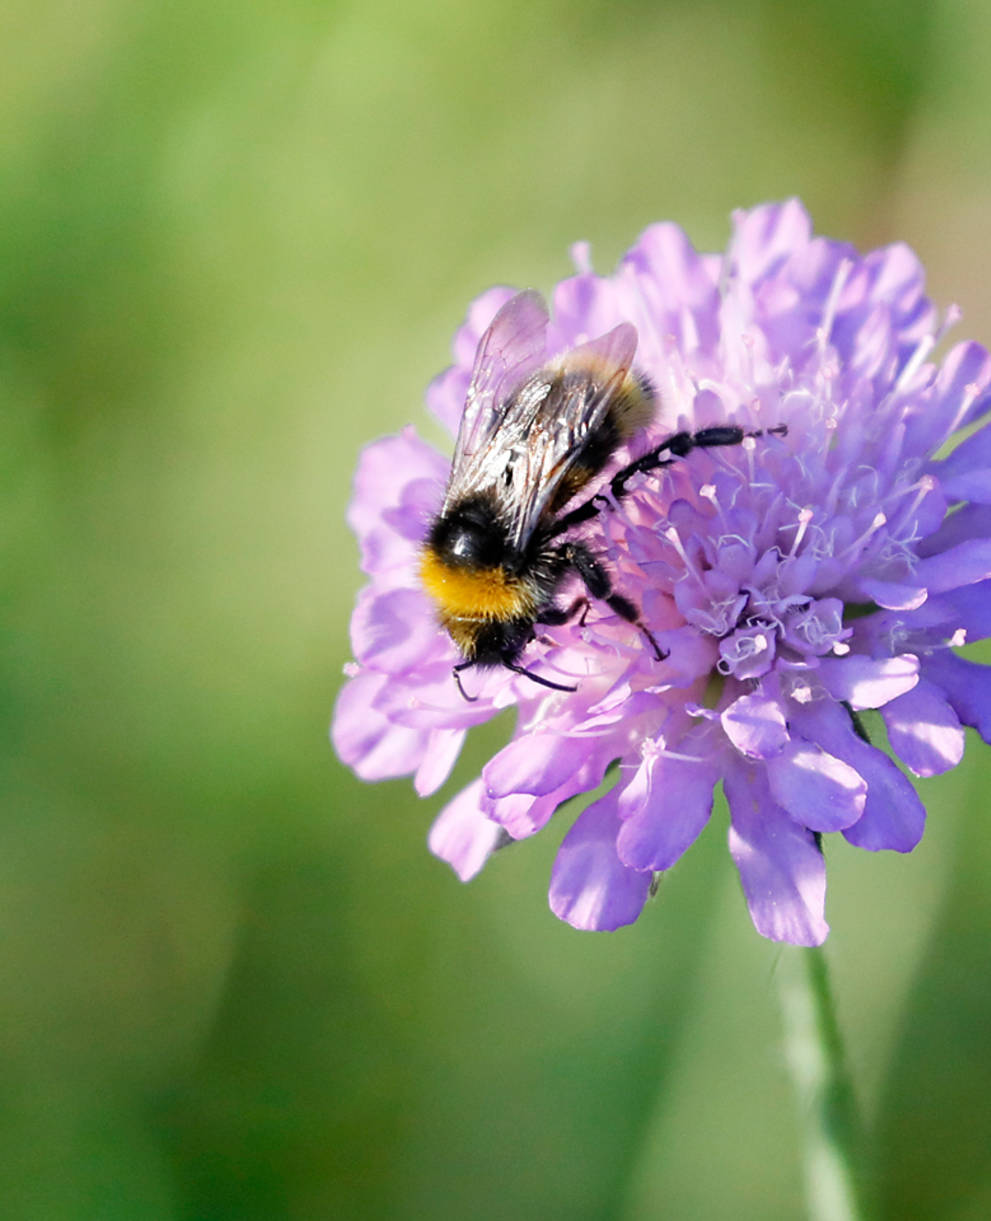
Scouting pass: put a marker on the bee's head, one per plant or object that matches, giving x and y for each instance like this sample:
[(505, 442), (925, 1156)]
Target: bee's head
[(470, 535)]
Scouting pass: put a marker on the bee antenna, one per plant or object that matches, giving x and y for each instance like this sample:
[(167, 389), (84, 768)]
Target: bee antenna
[(543, 682)]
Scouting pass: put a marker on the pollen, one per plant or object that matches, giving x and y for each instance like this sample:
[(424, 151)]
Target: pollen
[(472, 593)]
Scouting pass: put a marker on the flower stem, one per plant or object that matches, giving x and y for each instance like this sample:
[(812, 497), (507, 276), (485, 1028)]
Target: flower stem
[(832, 1141)]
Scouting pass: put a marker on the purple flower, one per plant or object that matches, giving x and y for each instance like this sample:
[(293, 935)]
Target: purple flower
[(793, 581)]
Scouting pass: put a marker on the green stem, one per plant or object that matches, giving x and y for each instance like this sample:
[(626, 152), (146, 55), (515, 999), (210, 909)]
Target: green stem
[(832, 1140)]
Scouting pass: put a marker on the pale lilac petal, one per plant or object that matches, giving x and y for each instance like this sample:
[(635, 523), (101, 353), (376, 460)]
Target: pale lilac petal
[(893, 816), (924, 731), (462, 835), (869, 682), (664, 809), (584, 305), (756, 725), (896, 275), (442, 750), (395, 631), (767, 236), (590, 887), (523, 814), (519, 814), (781, 869), (434, 702), (673, 268), (818, 790), (536, 764), (374, 746), (673, 286), (377, 489)]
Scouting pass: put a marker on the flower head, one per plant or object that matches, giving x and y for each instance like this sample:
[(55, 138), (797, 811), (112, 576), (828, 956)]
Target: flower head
[(792, 581)]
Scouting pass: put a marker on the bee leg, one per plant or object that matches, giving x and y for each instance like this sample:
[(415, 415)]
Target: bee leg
[(682, 444), (591, 508), (599, 586), (552, 616), (456, 671), (509, 664), (537, 678)]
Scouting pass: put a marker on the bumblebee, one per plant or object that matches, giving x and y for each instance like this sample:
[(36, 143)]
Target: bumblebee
[(533, 434)]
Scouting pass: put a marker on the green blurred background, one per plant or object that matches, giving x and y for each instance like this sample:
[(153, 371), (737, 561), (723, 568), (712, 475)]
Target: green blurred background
[(236, 240)]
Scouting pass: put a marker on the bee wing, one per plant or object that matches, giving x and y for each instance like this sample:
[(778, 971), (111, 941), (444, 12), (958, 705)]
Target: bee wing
[(510, 350), (549, 429)]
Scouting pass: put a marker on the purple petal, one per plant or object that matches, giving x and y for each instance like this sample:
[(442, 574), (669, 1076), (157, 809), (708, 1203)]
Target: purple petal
[(967, 686), (673, 267), (960, 392), (664, 808), (674, 286), (868, 682), (924, 731), (893, 595), (443, 748), (782, 870), (536, 763), (975, 486), (957, 389), (395, 631), (873, 343), (376, 748), (522, 814), (893, 817), (818, 790), (378, 487), (768, 235), (969, 522), (970, 609), (583, 305), (462, 835), (590, 887), (896, 276), (756, 725), (429, 699), (519, 814), (964, 564)]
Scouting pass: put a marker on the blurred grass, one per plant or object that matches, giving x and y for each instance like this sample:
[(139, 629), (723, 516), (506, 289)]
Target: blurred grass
[(234, 243)]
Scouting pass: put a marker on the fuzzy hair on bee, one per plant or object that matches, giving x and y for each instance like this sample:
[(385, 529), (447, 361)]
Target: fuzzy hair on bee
[(534, 434)]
